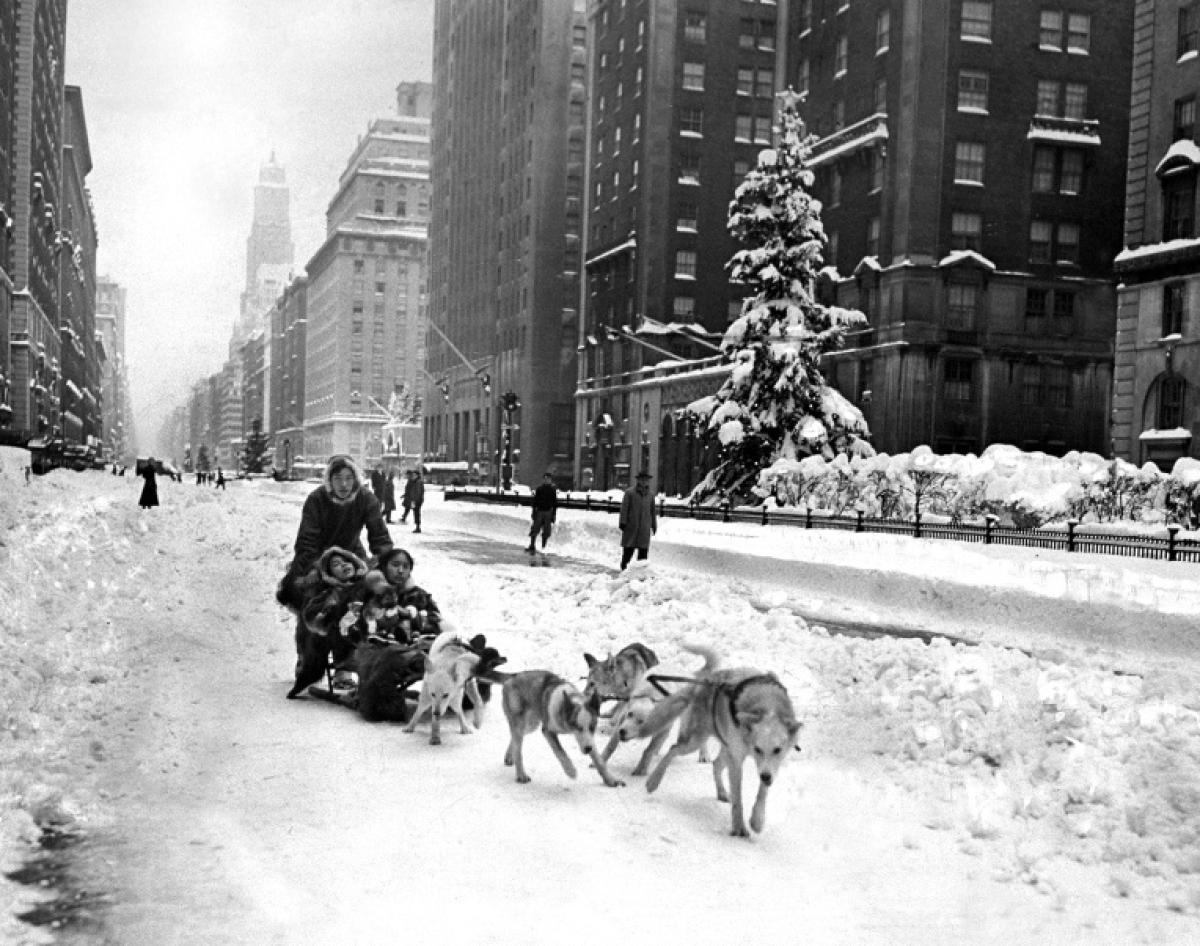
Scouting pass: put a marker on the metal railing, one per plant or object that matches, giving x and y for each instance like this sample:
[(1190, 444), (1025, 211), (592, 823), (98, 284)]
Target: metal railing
[(1169, 547)]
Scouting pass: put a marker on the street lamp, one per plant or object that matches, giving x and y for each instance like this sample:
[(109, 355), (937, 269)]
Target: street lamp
[(509, 404)]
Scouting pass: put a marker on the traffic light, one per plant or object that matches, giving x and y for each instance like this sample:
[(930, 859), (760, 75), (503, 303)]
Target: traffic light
[(511, 402), (444, 384)]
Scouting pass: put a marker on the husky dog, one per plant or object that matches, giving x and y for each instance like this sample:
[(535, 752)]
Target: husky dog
[(539, 698), (748, 712), (614, 677), (449, 676), (630, 717)]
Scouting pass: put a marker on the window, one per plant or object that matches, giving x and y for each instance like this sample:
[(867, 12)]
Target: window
[(881, 95), (1057, 100), (747, 35), (685, 264), (1057, 171), (762, 130), (873, 237), (1067, 243), (1079, 33), (966, 231), (961, 302), (1037, 303), (1050, 35), (745, 82), (1185, 119), (878, 163), (1064, 312), (841, 57), (1189, 20), (968, 162), (1053, 243), (743, 126), (693, 76), (764, 86), (684, 307), (1075, 101), (957, 379), (687, 218), (689, 167), (1174, 301), (1033, 385), (1047, 97), (691, 121), (883, 31), (1170, 402), (976, 21), (766, 36), (1179, 206), (972, 91), (806, 16), (616, 142)]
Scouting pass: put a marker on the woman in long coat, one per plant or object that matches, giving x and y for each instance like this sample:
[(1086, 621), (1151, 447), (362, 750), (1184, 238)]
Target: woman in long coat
[(150, 489)]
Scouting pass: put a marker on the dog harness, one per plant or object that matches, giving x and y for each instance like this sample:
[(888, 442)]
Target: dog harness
[(735, 692)]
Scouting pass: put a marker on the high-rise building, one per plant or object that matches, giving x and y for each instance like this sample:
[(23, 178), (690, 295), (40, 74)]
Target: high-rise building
[(289, 321), (505, 233), (682, 100), (970, 161), (36, 172), (1156, 396), (80, 387), (114, 383), (365, 297), (269, 250), (8, 223)]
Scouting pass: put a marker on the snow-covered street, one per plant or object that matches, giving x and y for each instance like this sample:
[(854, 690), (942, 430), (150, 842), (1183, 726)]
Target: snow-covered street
[(1040, 785)]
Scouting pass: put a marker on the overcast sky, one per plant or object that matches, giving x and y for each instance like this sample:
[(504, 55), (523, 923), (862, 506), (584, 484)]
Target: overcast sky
[(185, 100)]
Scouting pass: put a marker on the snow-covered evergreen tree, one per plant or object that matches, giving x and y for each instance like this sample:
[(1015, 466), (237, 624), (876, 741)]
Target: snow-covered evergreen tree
[(775, 404)]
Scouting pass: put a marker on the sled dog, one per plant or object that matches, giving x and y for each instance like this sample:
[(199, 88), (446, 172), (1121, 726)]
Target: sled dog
[(614, 677), (539, 698), (449, 676), (385, 672), (748, 712), (630, 717)]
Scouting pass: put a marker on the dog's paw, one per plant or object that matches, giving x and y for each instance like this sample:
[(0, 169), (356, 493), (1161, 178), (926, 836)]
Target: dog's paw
[(435, 740), (409, 728), (739, 831), (523, 779), (616, 783)]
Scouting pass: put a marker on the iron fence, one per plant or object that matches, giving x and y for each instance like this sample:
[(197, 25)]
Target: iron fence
[(1069, 539)]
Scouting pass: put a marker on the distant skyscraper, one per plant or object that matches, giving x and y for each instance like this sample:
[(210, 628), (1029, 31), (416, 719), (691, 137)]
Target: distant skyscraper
[(269, 251), (110, 324)]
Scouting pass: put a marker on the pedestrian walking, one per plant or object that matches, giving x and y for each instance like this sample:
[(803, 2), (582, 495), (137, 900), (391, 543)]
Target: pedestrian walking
[(414, 498), (377, 483), (545, 511), (220, 484), (639, 520), (149, 495), (389, 495)]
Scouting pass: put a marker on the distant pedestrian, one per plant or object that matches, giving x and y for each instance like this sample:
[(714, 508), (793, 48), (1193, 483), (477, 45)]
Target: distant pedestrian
[(150, 488), (639, 520), (28, 474), (220, 479), (414, 498), (377, 483), (545, 510), (389, 495)]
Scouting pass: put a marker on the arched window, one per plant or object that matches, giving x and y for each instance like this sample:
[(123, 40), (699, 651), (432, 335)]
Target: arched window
[(1172, 391)]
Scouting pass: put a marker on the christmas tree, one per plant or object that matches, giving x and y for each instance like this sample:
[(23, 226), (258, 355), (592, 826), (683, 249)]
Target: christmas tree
[(254, 454), (775, 404)]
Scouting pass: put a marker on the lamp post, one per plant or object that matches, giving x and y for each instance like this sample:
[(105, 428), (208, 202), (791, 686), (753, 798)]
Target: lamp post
[(509, 403)]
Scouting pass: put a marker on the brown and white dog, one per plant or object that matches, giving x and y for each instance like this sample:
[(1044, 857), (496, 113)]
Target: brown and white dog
[(748, 712), (616, 676), (536, 699), (630, 716)]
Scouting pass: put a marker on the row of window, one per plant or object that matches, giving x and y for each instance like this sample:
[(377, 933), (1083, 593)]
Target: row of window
[(1058, 30), (1041, 385), (1055, 170)]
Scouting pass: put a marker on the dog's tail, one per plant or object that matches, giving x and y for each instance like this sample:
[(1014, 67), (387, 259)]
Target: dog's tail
[(498, 677), (712, 660)]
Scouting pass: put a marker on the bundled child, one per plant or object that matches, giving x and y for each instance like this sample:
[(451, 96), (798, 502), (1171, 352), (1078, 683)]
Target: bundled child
[(396, 610), (334, 605)]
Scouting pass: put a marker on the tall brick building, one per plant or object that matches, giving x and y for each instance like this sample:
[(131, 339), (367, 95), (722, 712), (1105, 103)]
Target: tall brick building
[(1156, 398), (8, 222), (505, 233), (970, 160)]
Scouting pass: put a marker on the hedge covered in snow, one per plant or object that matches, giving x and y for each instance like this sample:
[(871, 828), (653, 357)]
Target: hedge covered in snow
[(1020, 488)]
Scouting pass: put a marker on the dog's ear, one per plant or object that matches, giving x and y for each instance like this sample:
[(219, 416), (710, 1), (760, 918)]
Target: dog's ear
[(591, 661), (478, 642), (593, 702)]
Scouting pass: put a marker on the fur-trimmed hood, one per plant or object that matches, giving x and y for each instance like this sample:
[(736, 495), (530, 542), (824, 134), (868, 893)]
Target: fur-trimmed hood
[(341, 461), (360, 567)]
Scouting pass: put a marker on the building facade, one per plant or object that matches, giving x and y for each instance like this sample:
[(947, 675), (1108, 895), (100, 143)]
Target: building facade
[(269, 250), (8, 221), (682, 101), (80, 390), (35, 372), (285, 371), (969, 158), (1156, 393), (116, 424), (365, 297), (506, 235)]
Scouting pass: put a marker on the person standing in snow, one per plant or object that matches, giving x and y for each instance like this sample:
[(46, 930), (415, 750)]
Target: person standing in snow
[(149, 495), (389, 495), (220, 479), (414, 498), (545, 511), (639, 520), (334, 515)]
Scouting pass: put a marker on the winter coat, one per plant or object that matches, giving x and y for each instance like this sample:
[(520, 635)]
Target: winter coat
[(377, 484), (327, 521), (389, 494), (414, 492), (413, 614), (332, 596), (149, 495), (545, 498), (639, 519)]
